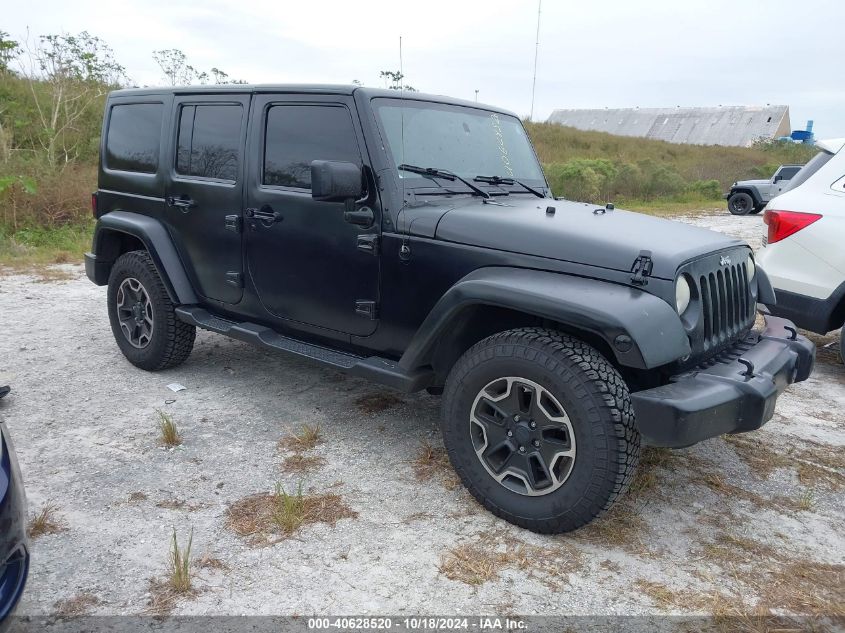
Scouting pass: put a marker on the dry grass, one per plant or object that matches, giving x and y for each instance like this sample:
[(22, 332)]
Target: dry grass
[(180, 565), (663, 597), (431, 461), (306, 439), (781, 581), (651, 460), (43, 274), (817, 464), (470, 564), (778, 503), (78, 605), (168, 432), (377, 402), (165, 592), (299, 463), (207, 561), (46, 521), (483, 560), (179, 504), (268, 518), (622, 527)]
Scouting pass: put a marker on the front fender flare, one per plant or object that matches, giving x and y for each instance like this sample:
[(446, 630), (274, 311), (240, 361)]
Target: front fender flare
[(156, 240), (599, 307)]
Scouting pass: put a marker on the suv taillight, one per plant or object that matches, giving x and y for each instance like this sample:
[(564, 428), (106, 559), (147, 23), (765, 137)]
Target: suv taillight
[(94, 205), (785, 223)]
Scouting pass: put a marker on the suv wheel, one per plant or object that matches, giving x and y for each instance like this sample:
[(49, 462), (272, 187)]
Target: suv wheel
[(740, 204), (540, 429), (142, 318)]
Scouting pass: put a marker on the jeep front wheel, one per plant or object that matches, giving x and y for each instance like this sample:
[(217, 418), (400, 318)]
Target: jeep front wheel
[(142, 318), (740, 204), (539, 427)]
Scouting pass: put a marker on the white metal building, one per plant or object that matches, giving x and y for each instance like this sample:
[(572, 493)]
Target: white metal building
[(723, 125)]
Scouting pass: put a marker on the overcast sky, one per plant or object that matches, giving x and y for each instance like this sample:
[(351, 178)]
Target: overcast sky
[(595, 53)]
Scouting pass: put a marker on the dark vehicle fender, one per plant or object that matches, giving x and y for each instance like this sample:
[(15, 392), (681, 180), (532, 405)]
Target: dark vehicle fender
[(110, 242), (612, 312)]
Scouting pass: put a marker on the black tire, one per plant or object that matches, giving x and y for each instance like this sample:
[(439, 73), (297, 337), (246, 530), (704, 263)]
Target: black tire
[(755, 210), (170, 340), (842, 344), (592, 394), (740, 204)]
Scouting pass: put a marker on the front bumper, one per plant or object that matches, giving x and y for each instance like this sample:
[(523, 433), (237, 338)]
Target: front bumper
[(732, 393)]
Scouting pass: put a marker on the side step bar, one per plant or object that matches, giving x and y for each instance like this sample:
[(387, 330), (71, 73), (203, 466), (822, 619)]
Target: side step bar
[(375, 368)]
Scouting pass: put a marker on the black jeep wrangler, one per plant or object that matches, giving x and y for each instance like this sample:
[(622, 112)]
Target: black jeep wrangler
[(413, 240)]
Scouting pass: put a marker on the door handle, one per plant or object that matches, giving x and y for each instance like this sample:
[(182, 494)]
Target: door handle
[(181, 202), (265, 215), (360, 217)]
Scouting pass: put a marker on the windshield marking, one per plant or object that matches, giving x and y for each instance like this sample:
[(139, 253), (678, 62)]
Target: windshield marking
[(500, 139)]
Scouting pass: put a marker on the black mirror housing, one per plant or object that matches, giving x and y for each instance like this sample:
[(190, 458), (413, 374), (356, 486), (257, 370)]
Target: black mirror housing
[(335, 181)]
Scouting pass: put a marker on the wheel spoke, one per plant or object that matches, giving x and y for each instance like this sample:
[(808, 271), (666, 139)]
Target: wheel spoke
[(520, 398)]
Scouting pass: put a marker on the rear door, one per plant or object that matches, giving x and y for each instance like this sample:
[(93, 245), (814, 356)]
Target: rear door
[(204, 193), (308, 264)]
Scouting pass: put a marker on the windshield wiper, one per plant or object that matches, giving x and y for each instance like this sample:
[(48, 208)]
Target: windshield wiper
[(497, 180), (433, 172)]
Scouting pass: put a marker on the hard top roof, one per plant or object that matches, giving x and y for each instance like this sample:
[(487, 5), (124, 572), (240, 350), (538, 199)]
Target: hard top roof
[(337, 89)]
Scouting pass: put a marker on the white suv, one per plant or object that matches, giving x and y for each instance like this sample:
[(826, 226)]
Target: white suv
[(803, 253)]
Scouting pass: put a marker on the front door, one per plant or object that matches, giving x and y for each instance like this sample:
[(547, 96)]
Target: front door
[(308, 264), (204, 195)]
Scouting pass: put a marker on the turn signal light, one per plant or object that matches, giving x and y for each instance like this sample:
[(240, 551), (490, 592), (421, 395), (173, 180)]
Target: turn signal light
[(782, 224)]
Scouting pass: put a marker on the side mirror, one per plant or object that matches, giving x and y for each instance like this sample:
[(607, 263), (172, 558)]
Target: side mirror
[(335, 181), (778, 178)]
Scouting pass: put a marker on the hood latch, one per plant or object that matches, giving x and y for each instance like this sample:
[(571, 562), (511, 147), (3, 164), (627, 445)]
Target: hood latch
[(642, 268)]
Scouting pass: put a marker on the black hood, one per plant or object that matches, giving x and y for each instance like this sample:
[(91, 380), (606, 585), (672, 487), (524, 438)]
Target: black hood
[(576, 233)]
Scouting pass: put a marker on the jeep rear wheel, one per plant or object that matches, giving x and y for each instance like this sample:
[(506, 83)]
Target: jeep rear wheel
[(142, 318), (539, 427), (740, 204)]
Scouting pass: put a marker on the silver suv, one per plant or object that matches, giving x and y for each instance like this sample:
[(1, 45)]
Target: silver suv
[(750, 196)]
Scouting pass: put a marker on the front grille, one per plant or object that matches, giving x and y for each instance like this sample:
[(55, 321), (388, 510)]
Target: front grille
[(726, 302), (727, 305)]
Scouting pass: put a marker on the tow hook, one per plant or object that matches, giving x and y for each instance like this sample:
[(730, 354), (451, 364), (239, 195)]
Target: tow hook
[(749, 367)]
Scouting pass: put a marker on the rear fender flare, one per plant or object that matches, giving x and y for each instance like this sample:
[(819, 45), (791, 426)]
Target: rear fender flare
[(155, 238)]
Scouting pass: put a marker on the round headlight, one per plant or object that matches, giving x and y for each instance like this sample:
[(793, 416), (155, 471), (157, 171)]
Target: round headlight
[(682, 294), (750, 268)]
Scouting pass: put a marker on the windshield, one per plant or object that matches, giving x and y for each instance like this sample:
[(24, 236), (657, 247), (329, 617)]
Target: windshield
[(464, 141), (816, 162)]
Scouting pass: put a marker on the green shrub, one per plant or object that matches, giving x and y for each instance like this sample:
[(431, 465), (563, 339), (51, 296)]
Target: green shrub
[(589, 180), (705, 189)]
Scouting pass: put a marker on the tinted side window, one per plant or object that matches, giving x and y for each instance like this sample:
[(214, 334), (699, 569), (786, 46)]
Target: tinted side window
[(209, 141), (298, 134), (132, 141), (788, 172)]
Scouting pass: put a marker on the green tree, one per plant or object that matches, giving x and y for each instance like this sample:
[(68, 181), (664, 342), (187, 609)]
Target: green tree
[(393, 80), (66, 75), (9, 50)]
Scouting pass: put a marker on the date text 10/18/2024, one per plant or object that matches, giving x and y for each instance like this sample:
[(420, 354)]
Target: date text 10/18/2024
[(483, 623)]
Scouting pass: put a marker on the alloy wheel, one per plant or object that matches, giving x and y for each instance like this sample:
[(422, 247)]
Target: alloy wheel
[(522, 435), (135, 312)]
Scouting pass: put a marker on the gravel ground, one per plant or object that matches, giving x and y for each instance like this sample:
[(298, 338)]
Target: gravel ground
[(723, 527)]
